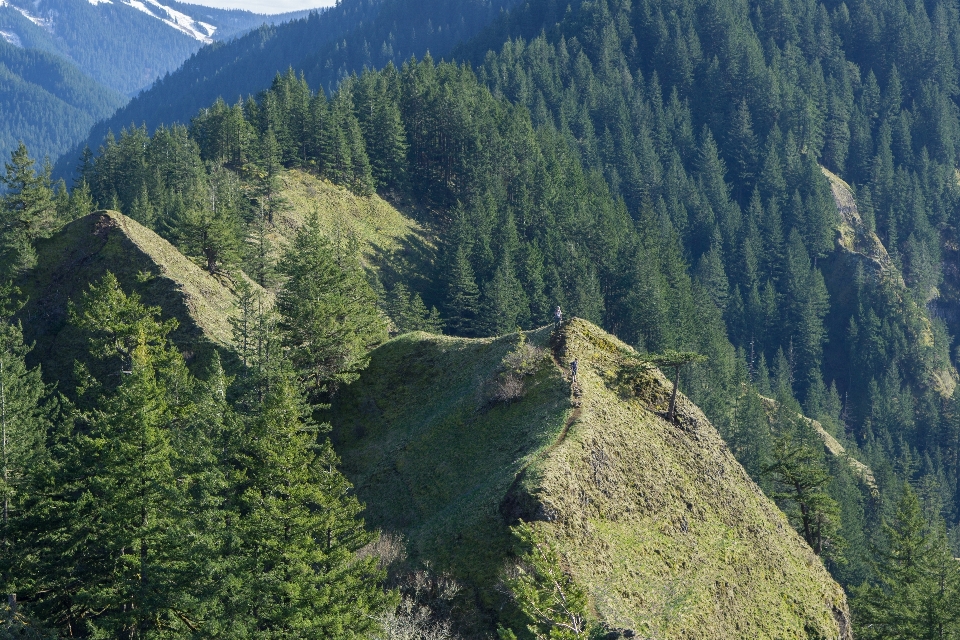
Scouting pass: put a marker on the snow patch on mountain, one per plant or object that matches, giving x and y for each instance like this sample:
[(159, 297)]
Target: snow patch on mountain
[(40, 22), (180, 21), (11, 37), (171, 17)]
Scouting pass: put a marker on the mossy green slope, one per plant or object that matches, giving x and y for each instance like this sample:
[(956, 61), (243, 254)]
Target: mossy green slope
[(389, 240), (83, 251), (658, 521), (378, 226)]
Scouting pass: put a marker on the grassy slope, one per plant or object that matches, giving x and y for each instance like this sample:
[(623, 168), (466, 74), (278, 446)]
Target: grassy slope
[(392, 243), (659, 522), (428, 463), (83, 251), (377, 225)]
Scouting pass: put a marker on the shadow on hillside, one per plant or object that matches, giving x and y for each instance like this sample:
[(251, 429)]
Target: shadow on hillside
[(411, 262)]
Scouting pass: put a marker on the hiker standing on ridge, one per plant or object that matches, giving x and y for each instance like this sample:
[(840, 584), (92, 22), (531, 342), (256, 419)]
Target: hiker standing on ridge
[(573, 371), (557, 319)]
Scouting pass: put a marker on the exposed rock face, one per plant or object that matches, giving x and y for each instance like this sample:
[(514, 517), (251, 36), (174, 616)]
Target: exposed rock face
[(657, 521), (859, 248)]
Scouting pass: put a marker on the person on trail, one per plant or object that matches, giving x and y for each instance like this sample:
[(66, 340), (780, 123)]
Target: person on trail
[(573, 370), (557, 318)]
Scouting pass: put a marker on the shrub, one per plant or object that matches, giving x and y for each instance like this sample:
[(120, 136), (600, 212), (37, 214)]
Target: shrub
[(507, 388)]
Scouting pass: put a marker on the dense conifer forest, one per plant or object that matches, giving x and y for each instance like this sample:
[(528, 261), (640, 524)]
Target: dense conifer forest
[(46, 101), (327, 46), (667, 170)]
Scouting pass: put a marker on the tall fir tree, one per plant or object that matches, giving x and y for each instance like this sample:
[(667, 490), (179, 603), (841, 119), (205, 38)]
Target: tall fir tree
[(915, 592), (800, 479), (27, 210), (328, 314), (110, 536), (463, 298), (290, 562), (25, 419)]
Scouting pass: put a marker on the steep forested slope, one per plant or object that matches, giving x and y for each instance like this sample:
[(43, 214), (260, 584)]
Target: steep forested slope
[(773, 186), (326, 47), (868, 91), (47, 102)]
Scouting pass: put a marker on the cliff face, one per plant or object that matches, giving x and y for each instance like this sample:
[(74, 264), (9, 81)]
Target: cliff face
[(859, 248), (657, 521)]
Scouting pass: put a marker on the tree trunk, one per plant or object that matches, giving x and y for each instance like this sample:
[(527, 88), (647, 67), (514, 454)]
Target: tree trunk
[(3, 439), (673, 395)]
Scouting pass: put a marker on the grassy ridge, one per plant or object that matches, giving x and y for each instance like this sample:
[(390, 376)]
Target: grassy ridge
[(420, 442), (391, 241), (82, 252), (657, 521)]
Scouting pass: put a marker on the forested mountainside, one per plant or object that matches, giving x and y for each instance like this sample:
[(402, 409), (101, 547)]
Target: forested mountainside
[(773, 187), (228, 453), (341, 40), (46, 101)]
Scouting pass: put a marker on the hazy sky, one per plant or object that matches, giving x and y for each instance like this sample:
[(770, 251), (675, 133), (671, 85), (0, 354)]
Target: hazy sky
[(265, 6)]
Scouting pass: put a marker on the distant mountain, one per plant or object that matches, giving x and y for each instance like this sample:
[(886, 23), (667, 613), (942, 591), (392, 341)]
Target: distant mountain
[(122, 44), (325, 47), (46, 101), (67, 64)]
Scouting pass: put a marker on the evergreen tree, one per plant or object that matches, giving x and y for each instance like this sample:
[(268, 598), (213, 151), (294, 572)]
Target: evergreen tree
[(801, 479), (24, 421), (382, 126), (675, 360), (743, 151), (290, 560), (79, 204), (504, 306), (409, 313), (328, 314), (267, 175), (463, 295), (916, 590), (550, 602), (210, 230), (109, 538), (27, 210), (712, 275), (259, 261), (751, 440), (116, 324), (258, 346)]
